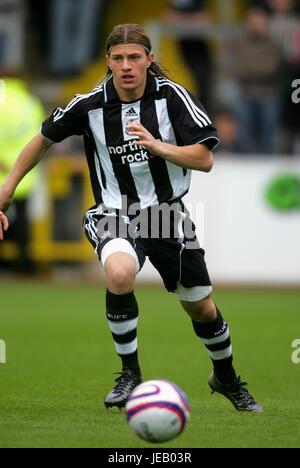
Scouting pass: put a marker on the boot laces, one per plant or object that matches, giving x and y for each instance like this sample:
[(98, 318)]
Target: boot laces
[(125, 381), (240, 393)]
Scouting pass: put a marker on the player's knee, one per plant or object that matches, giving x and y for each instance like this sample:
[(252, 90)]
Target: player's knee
[(207, 312), (120, 277), (203, 310)]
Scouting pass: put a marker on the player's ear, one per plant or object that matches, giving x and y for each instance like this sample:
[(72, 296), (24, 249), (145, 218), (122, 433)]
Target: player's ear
[(150, 59)]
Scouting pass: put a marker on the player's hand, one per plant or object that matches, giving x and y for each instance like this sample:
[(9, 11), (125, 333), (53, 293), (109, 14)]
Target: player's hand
[(145, 138), (4, 224), (5, 201)]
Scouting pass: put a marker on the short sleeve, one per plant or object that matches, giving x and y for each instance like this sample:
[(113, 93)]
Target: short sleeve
[(64, 123), (189, 119)]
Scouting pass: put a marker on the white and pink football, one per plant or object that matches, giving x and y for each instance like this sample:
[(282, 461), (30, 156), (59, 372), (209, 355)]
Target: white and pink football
[(157, 410)]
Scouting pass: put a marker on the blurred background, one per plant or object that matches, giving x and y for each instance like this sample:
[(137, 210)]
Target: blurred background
[(241, 58)]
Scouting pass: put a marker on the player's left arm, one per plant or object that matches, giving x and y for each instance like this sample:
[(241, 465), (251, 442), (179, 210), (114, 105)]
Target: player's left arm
[(197, 156)]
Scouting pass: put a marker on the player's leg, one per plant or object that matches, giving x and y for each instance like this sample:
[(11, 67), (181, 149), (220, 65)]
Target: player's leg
[(213, 331), (211, 328), (121, 264), (121, 305), (122, 315), (180, 261)]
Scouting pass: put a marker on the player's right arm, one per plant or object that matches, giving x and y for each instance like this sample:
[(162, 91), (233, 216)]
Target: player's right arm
[(3, 224), (60, 125), (29, 157)]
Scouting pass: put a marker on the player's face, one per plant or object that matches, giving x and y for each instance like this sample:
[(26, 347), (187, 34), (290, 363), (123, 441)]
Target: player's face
[(129, 63)]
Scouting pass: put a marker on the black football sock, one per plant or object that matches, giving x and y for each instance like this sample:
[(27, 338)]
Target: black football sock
[(122, 316), (216, 338)]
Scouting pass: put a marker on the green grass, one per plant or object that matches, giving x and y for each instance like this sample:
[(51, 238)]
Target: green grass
[(61, 359)]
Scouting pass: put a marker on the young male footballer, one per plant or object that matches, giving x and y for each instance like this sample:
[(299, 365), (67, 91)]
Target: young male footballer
[(143, 136)]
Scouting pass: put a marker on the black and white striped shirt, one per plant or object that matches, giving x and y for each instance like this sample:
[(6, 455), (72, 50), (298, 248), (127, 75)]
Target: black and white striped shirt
[(117, 166)]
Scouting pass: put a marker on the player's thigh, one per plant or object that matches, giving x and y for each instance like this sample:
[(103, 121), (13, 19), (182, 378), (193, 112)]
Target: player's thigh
[(117, 251), (183, 270)]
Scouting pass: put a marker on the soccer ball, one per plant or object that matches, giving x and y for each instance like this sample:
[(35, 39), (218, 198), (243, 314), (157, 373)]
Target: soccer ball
[(157, 410)]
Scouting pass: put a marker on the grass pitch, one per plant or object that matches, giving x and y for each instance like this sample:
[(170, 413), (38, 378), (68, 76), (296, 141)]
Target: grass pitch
[(61, 360)]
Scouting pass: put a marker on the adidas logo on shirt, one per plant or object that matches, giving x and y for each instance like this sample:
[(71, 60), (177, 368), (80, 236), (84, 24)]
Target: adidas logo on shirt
[(131, 113), (130, 116)]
